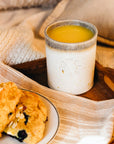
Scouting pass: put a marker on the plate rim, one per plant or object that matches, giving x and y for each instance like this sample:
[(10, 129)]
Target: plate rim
[(53, 107)]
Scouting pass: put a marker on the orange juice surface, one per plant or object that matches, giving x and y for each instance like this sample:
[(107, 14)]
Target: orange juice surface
[(70, 34)]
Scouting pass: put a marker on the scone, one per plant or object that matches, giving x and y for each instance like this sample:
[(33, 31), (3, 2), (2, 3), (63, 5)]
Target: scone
[(31, 117), (9, 98)]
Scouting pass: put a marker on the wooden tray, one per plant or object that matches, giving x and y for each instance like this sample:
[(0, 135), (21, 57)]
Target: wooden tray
[(103, 82), (103, 88)]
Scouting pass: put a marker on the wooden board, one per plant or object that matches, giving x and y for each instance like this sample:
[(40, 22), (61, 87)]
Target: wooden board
[(103, 88)]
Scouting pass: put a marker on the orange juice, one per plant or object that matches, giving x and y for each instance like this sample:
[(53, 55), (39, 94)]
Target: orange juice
[(70, 33)]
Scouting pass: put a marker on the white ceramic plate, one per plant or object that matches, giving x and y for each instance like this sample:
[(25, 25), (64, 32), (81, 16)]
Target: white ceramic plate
[(52, 125)]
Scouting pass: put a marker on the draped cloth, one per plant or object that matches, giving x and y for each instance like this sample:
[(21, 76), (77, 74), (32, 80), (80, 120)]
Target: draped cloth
[(20, 42)]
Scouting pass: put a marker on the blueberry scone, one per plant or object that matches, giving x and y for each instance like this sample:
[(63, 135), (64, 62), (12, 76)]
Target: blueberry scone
[(30, 120), (9, 98)]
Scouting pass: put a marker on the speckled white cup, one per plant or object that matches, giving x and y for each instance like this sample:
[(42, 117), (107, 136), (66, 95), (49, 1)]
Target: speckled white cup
[(70, 66)]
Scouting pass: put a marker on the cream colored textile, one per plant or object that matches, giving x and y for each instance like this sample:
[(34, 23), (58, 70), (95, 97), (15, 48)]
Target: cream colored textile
[(18, 43), (17, 46), (10, 18), (81, 120), (105, 56), (5, 4)]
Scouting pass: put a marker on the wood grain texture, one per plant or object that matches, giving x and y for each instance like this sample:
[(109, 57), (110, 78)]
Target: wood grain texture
[(102, 89)]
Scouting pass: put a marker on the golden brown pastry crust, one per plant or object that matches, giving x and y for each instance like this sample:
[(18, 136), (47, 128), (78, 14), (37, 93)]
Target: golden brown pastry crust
[(31, 115), (9, 98)]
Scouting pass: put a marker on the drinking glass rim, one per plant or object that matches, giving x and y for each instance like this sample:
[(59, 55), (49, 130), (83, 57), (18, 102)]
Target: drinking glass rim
[(85, 24)]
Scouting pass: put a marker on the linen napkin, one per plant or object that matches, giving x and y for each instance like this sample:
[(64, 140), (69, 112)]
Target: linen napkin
[(98, 12), (82, 121)]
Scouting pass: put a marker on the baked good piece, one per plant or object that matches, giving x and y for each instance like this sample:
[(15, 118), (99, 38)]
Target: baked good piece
[(31, 116), (9, 98)]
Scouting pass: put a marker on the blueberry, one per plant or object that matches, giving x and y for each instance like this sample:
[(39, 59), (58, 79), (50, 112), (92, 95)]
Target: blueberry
[(26, 118), (22, 135), (10, 114)]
